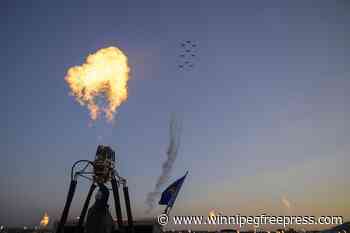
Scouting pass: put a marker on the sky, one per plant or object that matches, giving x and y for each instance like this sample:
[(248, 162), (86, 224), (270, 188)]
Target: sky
[(263, 111)]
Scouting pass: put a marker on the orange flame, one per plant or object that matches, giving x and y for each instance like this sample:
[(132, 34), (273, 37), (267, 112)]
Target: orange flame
[(45, 220), (212, 213), (104, 73)]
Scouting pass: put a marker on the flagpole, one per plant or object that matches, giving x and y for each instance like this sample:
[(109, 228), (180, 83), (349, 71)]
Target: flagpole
[(167, 210)]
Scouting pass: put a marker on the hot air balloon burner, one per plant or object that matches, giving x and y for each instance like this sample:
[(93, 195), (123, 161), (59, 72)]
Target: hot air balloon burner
[(102, 171), (104, 164)]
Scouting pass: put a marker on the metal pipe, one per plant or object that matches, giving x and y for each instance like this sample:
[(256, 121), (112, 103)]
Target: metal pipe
[(71, 191), (118, 210), (128, 209), (85, 207)]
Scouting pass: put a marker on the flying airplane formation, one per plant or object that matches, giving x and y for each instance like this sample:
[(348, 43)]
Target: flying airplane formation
[(188, 55)]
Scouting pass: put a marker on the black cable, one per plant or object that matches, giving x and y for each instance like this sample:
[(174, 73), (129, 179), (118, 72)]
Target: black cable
[(86, 177), (77, 162)]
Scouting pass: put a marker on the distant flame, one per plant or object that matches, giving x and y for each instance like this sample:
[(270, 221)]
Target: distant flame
[(104, 73), (212, 213), (45, 220)]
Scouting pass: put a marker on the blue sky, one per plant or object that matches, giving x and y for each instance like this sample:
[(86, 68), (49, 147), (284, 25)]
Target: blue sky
[(264, 111)]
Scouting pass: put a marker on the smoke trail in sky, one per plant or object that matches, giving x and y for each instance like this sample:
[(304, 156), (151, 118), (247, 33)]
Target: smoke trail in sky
[(286, 202), (171, 154)]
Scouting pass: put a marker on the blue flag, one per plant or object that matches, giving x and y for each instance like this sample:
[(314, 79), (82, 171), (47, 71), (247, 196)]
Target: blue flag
[(169, 195)]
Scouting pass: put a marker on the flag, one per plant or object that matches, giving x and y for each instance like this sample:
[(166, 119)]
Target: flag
[(170, 193)]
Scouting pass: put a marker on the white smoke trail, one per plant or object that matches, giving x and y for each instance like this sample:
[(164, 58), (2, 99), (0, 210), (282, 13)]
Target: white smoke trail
[(167, 166)]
